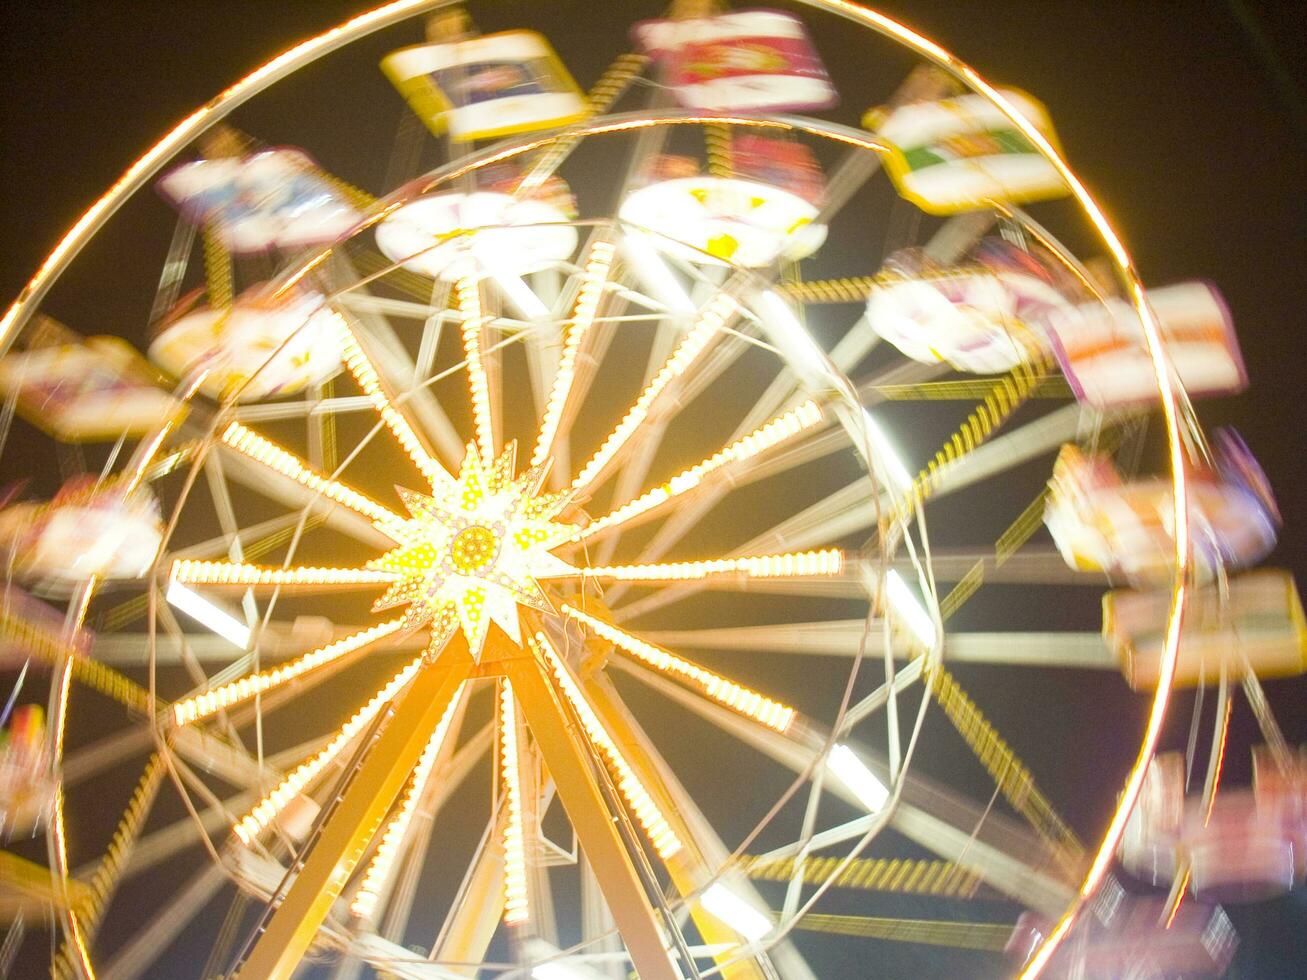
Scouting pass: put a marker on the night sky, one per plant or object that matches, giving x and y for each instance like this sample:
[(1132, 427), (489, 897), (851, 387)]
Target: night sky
[(1188, 121)]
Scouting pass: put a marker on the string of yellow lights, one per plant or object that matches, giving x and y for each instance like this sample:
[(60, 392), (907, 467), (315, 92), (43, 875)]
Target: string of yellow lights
[(224, 696), (766, 436), (382, 866), (191, 571), (517, 906), (365, 374), (298, 779), (827, 561), (588, 297), (707, 326), (265, 451), (469, 306), (749, 703), (650, 817)]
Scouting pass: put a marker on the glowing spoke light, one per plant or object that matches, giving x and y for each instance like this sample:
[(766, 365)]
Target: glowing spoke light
[(828, 561), (654, 274), (731, 909), (249, 826), (261, 450), (469, 304), (651, 819), (749, 703), (761, 439), (521, 295), (516, 903), (857, 778), (383, 861), (886, 460), (366, 375), (803, 354), (195, 572), (907, 605), (203, 611), (706, 327), (588, 298), (211, 702)]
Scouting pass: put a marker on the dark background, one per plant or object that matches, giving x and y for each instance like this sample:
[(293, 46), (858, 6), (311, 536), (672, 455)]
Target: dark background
[(1186, 119)]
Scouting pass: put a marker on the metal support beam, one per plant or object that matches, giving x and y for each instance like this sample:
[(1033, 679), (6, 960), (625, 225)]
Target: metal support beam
[(585, 807), (703, 854), (356, 818)]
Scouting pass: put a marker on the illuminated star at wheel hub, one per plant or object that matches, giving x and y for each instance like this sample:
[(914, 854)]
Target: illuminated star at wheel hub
[(476, 548)]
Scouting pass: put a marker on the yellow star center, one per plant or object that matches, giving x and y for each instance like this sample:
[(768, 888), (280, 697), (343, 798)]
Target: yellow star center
[(473, 548)]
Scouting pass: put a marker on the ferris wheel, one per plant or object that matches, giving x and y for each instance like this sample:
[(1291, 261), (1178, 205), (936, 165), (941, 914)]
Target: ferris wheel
[(644, 541)]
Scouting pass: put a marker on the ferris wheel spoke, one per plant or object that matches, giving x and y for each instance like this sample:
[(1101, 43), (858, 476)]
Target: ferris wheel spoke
[(390, 370), (517, 907), (471, 328), (786, 565), (807, 446), (650, 817), (844, 638), (220, 698), (449, 775), (990, 937), (262, 450), (134, 958), (1034, 567), (233, 573), (292, 493), (767, 436), (1005, 866), (295, 782), (365, 374), (105, 878), (847, 511), (634, 467), (704, 858), (569, 765), (589, 295), (736, 697), (707, 326)]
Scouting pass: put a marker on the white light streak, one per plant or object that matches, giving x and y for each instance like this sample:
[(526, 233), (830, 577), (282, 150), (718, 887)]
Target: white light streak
[(203, 611), (857, 778), (521, 295), (731, 909), (885, 458), (905, 603), (654, 274), (803, 354)]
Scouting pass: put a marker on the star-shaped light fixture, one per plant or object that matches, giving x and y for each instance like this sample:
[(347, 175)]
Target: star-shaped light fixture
[(475, 548)]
